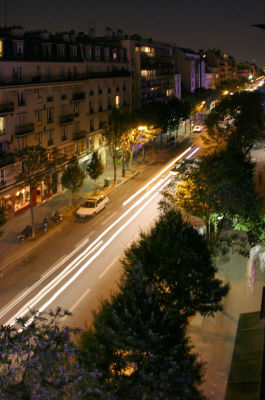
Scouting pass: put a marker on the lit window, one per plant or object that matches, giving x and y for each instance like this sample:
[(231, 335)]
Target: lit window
[(1, 48), (1, 125), (117, 101)]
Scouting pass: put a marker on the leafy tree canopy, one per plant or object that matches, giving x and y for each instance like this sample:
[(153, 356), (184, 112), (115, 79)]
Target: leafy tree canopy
[(73, 177), (140, 349), (237, 121), (95, 167), (176, 257)]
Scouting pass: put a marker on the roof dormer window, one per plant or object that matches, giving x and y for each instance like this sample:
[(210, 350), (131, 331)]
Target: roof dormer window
[(74, 51), (61, 50), (19, 48)]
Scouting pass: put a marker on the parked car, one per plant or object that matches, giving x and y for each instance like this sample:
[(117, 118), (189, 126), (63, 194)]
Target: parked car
[(197, 128), (92, 206)]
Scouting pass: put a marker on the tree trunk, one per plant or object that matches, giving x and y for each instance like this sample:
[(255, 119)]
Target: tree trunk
[(131, 157), (123, 162), (143, 152), (32, 214), (94, 186), (185, 128), (207, 236), (114, 168), (153, 147)]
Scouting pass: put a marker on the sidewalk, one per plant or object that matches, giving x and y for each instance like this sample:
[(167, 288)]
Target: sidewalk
[(11, 251)]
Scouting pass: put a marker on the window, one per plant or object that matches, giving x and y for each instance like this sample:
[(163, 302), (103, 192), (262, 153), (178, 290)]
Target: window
[(60, 50), (50, 114), (50, 136), (91, 108), (88, 52), (22, 119), (17, 74), (21, 143), (3, 176), (117, 101), (74, 51), (47, 72), (62, 71), (38, 137), (19, 48), (38, 114), (64, 133), (91, 125), (77, 126), (2, 125), (97, 53), (21, 98), (39, 93), (1, 48), (114, 55)]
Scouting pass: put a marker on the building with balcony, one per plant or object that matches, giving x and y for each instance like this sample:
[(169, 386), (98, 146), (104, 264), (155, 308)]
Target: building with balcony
[(152, 65), (56, 90)]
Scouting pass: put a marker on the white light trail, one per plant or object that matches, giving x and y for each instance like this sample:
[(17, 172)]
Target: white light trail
[(157, 176), (24, 310)]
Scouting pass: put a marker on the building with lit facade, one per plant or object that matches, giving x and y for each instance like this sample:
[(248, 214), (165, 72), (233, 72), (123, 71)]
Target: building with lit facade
[(56, 91), (152, 65)]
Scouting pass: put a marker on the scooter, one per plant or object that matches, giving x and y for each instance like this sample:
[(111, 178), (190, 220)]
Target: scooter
[(24, 234), (57, 217)]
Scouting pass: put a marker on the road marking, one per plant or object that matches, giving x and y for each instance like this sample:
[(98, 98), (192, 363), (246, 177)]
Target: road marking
[(109, 217), (108, 267), (92, 246), (79, 300)]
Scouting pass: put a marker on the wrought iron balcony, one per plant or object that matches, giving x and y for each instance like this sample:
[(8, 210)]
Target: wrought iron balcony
[(79, 135), (64, 119), (24, 129), (6, 108), (79, 96)]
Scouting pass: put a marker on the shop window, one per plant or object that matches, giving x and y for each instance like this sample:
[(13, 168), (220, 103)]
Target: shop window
[(22, 198)]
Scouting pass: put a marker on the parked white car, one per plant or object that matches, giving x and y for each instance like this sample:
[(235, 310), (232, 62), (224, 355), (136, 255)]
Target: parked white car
[(92, 206), (197, 128)]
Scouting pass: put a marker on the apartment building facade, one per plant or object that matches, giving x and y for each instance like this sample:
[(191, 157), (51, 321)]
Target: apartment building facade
[(152, 65), (189, 65), (55, 91)]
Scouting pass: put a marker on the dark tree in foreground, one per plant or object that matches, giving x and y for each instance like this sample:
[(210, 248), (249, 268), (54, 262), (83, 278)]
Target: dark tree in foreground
[(38, 360), (176, 258), (139, 348), (95, 168), (73, 177)]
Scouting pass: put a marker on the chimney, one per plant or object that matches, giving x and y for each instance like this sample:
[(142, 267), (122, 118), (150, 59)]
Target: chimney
[(108, 33)]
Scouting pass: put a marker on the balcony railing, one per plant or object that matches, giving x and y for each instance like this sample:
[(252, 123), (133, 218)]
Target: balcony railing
[(79, 135), (79, 96), (6, 108), (50, 142), (24, 129), (49, 98), (6, 159), (64, 119)]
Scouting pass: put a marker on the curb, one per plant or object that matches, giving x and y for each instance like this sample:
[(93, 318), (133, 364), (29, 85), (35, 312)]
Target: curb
[(36, 242)]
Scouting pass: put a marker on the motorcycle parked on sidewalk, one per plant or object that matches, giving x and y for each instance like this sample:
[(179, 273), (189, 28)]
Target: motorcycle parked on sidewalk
[(57, 217), (24, 234)]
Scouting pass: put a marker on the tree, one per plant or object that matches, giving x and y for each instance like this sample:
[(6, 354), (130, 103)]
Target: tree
[(38, 360), (237, 121), (113, 134), (140, 349), (36, 166), (73, 177), (95, 168), (177, 259), (220, 185)]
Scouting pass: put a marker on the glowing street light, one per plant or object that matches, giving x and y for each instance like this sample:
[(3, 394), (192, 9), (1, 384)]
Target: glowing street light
[(142, 128)]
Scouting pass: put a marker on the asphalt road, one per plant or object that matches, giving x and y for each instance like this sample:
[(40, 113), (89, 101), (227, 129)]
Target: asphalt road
[(80, 263)]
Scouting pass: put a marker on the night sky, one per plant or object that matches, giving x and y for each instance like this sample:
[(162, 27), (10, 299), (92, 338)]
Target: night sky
[(224, 24)]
